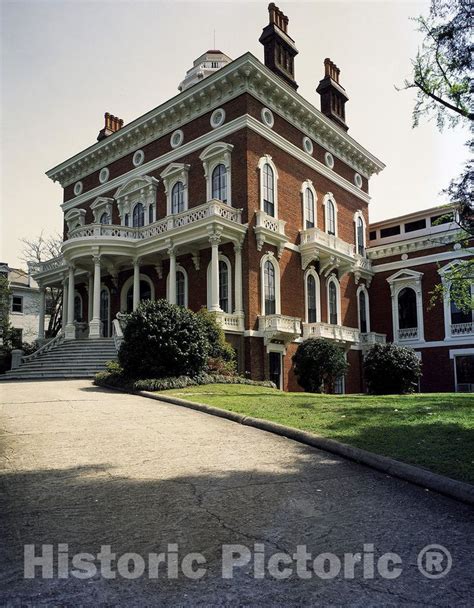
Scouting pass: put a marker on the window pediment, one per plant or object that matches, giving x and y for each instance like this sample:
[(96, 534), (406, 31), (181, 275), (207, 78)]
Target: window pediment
[(136, 186), (75, 217), (102, 205)]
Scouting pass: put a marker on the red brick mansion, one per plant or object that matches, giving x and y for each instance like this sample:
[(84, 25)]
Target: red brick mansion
[(239, 195)]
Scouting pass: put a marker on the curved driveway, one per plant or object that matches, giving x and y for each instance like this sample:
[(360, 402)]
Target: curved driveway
[(86, 467)]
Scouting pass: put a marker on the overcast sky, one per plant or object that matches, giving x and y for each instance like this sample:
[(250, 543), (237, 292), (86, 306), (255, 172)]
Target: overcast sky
[(64, 63)]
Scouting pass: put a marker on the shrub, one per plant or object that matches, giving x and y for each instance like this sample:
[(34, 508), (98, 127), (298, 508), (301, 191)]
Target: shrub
[(318, 364), (221, 354), (391, 369), (162, 340)]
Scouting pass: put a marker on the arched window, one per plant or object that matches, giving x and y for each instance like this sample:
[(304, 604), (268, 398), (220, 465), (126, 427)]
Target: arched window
[(145, 294), (363, 312), (219, 183), (126, 220), (407, 314), (138, 215), (311, 298), (458, 315), (177, 198), (360, 237), (331, 217), (333, 304), (224, 286), (180, 288), (105, 218), (150, 214), (269, 288), (309, 208), (268, 190), (77, 308)]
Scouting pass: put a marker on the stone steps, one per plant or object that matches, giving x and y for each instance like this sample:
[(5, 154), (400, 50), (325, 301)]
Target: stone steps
[(69, 359)]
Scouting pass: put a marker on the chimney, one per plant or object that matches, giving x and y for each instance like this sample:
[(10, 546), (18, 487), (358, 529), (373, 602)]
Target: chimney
[(333, 95), (279, 48), (112, 124)]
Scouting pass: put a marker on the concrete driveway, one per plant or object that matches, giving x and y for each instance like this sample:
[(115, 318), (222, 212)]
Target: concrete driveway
[(83, 467)]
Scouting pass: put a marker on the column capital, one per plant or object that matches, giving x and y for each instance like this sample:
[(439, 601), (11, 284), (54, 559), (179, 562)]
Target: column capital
[(137, 261), (215, 238), (96, 259)]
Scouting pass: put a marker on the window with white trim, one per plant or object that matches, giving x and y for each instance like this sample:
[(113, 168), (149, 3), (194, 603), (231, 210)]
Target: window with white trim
[(138, 216), (309, 204), (175, 181), (407, 305), (216, 160), (182, 286), (359, 232), (330, 214), (270, 285), (268, 186), (104, 218), (334, 304), (17, 304), (225, 284), (363, 309), (312, 297), (407, 309)]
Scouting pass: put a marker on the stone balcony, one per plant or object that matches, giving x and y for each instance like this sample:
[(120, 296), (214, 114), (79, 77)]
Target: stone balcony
[(370, 338), (269, 230), (462, 329), (231, 322), (279, 328), (408, 334), (332, 253), (327, 331)]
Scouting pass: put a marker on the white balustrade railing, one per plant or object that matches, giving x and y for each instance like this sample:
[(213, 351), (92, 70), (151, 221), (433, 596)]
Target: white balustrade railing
[(117, 332), (279, 323), (52, 264), (44, 348), (213, 208), (230, 321), (370, 338), (408, 333), (270, 223), (462, 329), (331, 332), (319, 237)]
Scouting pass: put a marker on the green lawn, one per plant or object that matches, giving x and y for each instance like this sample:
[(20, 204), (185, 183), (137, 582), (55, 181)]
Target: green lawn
[(435, 431)]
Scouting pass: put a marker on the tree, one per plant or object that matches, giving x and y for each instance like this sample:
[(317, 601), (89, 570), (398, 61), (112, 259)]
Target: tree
[(442, 76), (391, 370), (40, 249), (318, 364), (5, 293)]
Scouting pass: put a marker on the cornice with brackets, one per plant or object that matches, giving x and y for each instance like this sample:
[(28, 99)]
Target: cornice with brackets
[(244, 75)]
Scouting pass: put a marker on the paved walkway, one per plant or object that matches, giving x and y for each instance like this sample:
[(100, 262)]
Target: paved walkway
[(87, 467)]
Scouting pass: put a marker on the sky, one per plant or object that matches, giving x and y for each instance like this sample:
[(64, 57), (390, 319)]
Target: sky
[(64, 63)]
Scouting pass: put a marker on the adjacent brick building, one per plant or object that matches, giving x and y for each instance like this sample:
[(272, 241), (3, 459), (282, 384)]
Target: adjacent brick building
[(239, 195)]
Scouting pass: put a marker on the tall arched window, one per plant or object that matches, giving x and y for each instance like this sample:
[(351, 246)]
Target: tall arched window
[(224, 286), (150, 214), (311, 298), (363, 312), (268, 190), (407, 313), (138, 215), (126, 220), (360, 237), (105, 218), (269, 288), (331, 217), (309, 208), (332, 303), (177, 198), (180, 288), (219, 183)]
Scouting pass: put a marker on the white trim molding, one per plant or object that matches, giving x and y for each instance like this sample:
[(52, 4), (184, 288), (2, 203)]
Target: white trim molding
[(140, 189), (308, 185), (363, 289), (269, 257), (100, 206), (358, 215), (329, 197), (216, 154), (461, 331), (410, 279), (175, 172), (74, 218)]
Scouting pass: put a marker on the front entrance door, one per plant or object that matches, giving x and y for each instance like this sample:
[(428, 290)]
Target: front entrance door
[(105, 312), (275, 368)]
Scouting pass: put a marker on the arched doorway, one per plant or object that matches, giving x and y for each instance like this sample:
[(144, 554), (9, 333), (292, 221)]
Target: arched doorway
[(145, 294)]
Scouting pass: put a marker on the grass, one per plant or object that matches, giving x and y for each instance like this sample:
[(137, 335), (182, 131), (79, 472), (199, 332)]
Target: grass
[(434, 431)]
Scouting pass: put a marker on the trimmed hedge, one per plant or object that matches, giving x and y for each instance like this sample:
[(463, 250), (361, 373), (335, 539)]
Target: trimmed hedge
[(318, 364), (390, 369), (117, 380)]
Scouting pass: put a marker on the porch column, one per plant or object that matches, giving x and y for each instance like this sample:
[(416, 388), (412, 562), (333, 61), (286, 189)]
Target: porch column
[(90, 296), (70, 327), (215, 239), (172, 277), (42, 307), (238, 308), (136, 283), (94, 325), (64, 307)]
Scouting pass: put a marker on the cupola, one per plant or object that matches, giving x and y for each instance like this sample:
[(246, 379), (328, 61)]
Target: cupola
[(205, 65)]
